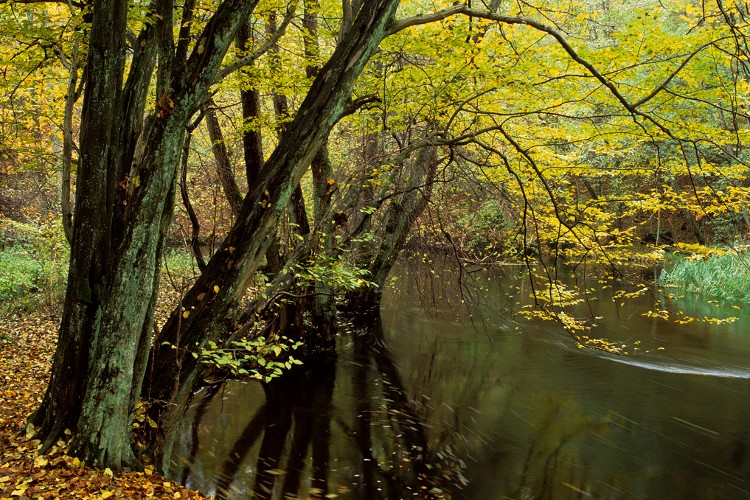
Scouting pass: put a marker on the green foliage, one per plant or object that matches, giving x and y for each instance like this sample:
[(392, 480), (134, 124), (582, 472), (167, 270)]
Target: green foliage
[(724, 276), (33, 267), (19, 275), (255, 358), (180, 262), (335, 273), (486, 229)]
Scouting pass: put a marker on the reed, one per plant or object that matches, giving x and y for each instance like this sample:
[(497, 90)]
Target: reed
[(723, 276)]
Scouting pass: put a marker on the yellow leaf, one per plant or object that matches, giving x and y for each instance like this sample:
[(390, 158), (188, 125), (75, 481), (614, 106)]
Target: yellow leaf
[(40, 461), (106, 493), (185, 314), (216, 288), (108, 472)]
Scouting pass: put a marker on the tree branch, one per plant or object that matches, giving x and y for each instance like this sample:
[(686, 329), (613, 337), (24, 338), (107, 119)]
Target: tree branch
[(554, 33), (78, 5), (674, 73), (264, 47)]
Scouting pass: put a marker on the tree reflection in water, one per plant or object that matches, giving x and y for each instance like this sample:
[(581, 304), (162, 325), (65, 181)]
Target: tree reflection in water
[(284, 449), (531, 415)]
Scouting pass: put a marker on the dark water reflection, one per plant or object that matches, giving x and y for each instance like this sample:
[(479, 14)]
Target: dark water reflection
[(435, 397)]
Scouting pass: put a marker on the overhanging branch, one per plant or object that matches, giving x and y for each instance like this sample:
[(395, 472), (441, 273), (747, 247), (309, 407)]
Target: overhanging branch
[(465, 10)]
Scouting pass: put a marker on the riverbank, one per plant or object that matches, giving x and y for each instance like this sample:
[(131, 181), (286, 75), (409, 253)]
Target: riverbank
[(26, 347)]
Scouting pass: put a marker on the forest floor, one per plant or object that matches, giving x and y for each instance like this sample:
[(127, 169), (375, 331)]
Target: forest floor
[(26, 348)]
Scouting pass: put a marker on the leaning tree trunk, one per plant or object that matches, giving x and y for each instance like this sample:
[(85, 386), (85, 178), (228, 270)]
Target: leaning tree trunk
[(229, 272), (403, 210), (224, 169), (322, 334)]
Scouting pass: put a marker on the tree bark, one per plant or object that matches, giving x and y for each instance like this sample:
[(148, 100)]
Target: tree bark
[(252, 141), (401, 213), (91, 253)]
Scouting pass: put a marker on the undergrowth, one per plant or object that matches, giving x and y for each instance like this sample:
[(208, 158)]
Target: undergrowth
[(33, 267), (722, 276)]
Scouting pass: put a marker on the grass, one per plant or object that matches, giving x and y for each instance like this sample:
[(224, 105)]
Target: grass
[(30, 281), (722, 276), (33, 267), (179, 260)]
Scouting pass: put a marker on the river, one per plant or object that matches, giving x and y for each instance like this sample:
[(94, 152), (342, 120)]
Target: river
[(448, 394)]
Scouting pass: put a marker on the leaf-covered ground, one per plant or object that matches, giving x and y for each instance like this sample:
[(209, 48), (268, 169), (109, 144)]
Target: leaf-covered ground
[(26, 348)]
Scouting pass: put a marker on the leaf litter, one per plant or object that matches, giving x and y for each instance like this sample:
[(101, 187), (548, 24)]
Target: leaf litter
[(27, 345)]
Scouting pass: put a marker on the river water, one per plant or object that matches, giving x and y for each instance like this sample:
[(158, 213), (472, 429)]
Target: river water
[(447, 394)]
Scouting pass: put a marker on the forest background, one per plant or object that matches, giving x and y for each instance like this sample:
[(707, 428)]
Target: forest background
[(229, 191)]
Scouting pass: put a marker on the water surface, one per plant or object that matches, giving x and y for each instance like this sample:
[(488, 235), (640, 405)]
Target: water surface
[(446, 394)]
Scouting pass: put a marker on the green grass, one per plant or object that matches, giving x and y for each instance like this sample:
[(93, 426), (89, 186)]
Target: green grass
[(19, 274), (180, 261), (30, 282), (722, 276), (33, 267)]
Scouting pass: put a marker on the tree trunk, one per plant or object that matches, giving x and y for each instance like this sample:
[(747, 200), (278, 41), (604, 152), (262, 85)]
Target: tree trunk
[(229, 271), (322, 334), (402, 212), (252, 141), (123, 206), (90, 257), (224, 170)]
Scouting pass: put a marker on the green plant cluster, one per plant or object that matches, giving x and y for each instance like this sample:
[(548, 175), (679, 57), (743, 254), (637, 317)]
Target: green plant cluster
[(723, 276), (335, 273), (259, 358), (33, 267), (486, 229), (179, 261)]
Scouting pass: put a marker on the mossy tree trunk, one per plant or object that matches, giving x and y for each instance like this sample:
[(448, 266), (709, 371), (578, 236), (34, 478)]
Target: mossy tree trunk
[(124, 199), (402, 211)]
